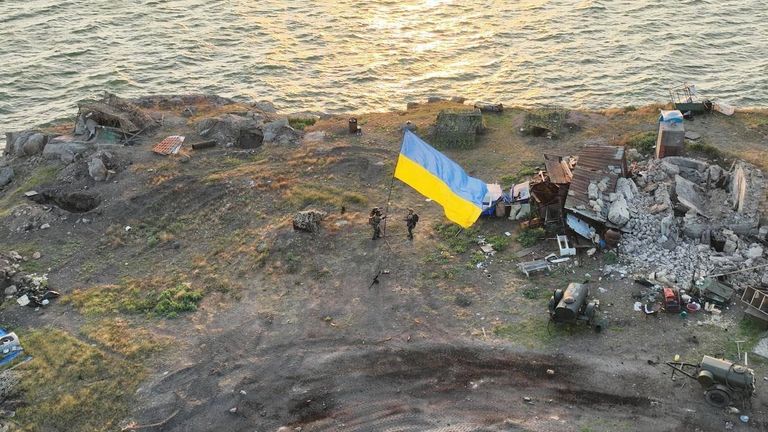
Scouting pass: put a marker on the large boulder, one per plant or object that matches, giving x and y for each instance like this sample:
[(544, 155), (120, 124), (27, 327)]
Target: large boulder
[(232, 130), (308, 220), (25, 143), (279, 132), (65, 148), (618, 212), (6, 175), (34, 144)]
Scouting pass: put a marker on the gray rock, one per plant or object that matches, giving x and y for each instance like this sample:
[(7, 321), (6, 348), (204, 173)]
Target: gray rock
[(669, 169), (64, 150), (730, 246), (265, 106), (666, 225), (754, 251), (234, 130), (593, 191), (458, 99), (6, 175), (11, 290), (618, 212), (34, 144), (626, 187), (272, 129), (97, 170), (688, 195), (694, 164)]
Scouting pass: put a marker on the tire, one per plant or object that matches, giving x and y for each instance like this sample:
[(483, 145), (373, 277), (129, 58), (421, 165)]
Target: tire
[(717, 396)]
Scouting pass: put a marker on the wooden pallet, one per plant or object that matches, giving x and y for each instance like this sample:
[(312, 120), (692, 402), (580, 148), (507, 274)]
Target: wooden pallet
[(757, 302)]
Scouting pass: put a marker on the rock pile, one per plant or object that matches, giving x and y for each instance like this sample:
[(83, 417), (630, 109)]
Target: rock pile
[(690, 219)]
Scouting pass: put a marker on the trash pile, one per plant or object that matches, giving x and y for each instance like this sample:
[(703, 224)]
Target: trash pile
[(690, 219), (308, 220), (28, 289)]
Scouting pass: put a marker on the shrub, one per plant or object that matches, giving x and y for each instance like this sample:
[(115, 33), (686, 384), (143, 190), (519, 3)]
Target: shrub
[(530, 236)]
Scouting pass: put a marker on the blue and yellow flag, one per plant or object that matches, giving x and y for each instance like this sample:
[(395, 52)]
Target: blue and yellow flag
[(436, 177)]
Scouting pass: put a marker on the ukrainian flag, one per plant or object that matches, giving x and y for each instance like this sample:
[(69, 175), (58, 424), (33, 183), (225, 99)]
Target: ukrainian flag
[(436, 177)]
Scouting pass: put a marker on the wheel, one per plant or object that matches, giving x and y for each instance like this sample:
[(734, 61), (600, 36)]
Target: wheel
[(718, 396)]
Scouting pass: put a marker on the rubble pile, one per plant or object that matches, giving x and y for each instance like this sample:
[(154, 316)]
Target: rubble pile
[(28, 289), (690, 219)]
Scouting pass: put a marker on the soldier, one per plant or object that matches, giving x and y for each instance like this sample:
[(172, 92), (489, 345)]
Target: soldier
[(410, 222), (374, 220)]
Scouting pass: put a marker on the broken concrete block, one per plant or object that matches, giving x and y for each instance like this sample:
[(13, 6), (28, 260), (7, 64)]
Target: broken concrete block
[(593, 191), (730, 246), (626, 187), (684, 162), (618, 213), (688, 195), (670, 169), (754, 251)]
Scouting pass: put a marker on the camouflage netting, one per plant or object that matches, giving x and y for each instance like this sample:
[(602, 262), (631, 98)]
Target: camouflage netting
[(545, 121), (457, 129), (308, 220)]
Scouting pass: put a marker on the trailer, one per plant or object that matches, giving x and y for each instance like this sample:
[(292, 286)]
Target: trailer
[(723, 381)]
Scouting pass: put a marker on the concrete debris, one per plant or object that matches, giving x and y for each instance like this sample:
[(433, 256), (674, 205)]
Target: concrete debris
[(618, 213), (27, 288), (308, 220), (669, 234)]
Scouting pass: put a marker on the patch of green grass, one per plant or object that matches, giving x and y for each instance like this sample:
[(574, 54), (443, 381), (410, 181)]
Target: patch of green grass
[(499, 242), (72, 386), (308, 194), (162, 297), (707, 150), (456, 239), (40, 176), (117, 334), (530, 236), (528, 169), (535, 293), (301, 123), (644, 142), (531, 333)]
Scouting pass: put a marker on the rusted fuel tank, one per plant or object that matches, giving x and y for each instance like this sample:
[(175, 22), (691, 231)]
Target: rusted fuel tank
[(714, 370)]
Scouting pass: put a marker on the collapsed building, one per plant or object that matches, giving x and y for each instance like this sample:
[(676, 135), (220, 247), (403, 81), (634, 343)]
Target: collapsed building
[(677, 221)]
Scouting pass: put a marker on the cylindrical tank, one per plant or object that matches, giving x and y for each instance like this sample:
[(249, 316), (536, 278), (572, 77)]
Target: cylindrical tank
[(727, 373), (573, 300)]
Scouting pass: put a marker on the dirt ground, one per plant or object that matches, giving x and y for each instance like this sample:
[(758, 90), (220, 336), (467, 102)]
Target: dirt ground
[(293, 332)]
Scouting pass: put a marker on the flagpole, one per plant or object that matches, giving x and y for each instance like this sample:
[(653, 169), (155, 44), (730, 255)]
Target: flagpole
[(389, 198)]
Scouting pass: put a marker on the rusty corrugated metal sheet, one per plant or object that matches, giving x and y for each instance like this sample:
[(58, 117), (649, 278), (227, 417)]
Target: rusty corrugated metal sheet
[(558, 170), (594, 164)]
